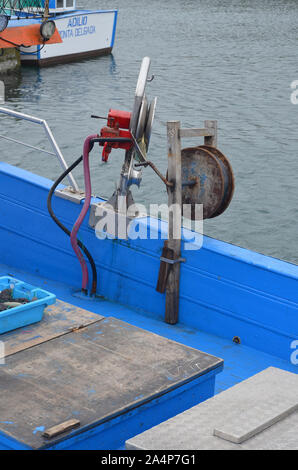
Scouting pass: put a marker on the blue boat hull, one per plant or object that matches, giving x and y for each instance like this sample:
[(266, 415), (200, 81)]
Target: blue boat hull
[(226, 291)]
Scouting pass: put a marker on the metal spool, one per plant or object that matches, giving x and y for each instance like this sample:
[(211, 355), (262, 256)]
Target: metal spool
[(142, 119), (207, 179), (140, 127), (150, 119), (139, 95), (229, 178), (137, 125)]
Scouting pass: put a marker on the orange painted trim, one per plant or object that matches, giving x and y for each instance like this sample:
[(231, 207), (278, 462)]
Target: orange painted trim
[(26, 35)]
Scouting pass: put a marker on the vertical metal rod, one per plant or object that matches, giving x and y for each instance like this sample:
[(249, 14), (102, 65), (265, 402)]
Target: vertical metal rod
[(59, 155), (212, 140), (174, 226)]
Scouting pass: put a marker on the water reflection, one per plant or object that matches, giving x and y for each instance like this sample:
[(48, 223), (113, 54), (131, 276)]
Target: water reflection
[(231, 60), (12, 82)]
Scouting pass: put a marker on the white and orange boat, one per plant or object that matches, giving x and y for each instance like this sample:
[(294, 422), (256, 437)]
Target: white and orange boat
[(79, 33)]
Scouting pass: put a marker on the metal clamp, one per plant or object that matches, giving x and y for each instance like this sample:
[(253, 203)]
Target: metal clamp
[(172, 261)]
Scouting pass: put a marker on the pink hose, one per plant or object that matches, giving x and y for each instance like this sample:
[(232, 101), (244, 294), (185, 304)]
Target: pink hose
[(78, 223)]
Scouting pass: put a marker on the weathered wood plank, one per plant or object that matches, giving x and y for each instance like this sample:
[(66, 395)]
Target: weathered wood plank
[(206, 132), (164, 268), (93, 375), (58, 319), (61, 428), (211, 126), (174, 226)]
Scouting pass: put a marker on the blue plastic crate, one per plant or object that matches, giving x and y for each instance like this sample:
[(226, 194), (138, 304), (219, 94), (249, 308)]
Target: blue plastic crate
[(26, 314)]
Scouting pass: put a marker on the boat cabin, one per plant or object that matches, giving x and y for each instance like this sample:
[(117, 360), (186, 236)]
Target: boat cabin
[(58, 6)]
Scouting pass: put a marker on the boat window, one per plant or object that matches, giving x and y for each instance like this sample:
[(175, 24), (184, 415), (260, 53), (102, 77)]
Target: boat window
[(64, 3)]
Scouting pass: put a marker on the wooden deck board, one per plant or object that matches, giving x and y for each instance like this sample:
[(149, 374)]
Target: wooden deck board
[(92, 374), (58, 319)]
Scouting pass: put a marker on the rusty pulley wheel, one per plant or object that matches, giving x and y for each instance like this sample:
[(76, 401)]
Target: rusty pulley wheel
[(207, 178), (228, 176)]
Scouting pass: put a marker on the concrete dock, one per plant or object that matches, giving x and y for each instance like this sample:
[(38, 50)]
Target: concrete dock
[(9, 60)]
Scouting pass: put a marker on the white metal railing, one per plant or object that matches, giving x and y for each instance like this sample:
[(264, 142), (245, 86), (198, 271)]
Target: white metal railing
[(56, 150)]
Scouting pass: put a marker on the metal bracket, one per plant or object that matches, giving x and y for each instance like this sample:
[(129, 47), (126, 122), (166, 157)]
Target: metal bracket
[(70, 195), (118, 215), (172, 261)]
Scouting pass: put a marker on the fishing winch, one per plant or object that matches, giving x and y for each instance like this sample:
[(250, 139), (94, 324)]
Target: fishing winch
[(117, 126), (130, 132), (136, 128), (196, 176)]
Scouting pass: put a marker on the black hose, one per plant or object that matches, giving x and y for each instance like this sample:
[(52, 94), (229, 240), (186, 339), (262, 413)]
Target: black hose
[(65, 230)]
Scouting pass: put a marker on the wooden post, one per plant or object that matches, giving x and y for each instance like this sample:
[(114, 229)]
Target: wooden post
[(174, 226), (212, 140)]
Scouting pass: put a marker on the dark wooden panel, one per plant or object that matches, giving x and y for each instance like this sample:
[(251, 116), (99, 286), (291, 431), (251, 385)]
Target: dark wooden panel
[(91, 374)]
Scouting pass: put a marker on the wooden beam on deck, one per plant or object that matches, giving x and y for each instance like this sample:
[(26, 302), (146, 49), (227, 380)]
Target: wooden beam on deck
[(174, 226)]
